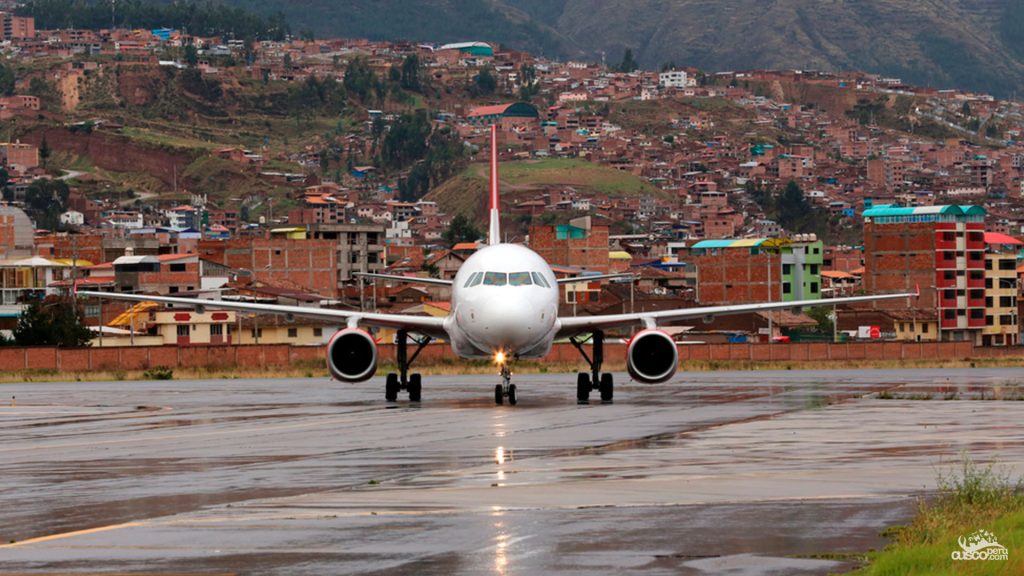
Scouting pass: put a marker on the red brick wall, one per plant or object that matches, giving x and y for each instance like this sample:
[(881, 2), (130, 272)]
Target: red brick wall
[(899, 258), (735, 276), (309, 265), (86, 359)]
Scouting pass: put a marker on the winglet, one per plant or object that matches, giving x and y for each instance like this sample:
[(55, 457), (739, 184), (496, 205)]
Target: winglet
[(494, 230)]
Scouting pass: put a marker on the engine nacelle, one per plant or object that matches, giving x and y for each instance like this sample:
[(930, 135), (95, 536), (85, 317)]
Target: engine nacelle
[(352, 355), (651, 357)]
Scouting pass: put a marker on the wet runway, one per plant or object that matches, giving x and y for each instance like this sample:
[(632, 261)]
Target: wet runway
[(715, 473)]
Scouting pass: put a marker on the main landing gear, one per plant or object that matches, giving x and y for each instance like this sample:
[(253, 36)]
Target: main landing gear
[(505, 389), (413, 383), (595, 380)]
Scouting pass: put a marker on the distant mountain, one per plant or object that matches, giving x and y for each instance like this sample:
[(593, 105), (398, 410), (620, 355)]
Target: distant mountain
[(972, 44)]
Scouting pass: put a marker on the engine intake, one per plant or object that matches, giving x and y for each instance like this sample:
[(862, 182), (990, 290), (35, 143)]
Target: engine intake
[(352, 355), (651, 357)]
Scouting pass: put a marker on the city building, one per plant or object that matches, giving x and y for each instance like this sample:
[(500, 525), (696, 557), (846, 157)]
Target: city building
[(758, 270), (579, 244), (1001, 290), (937, 249)]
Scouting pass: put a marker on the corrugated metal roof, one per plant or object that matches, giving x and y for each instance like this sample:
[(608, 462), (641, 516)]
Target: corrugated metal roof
[(748, 242), (949, 209), (713, 244)]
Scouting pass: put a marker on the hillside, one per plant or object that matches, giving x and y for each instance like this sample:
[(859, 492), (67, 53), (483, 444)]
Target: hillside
[(976, 44), (467, 192)]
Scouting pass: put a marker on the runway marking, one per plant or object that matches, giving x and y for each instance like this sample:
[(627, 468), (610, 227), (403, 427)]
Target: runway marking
[(71, 534)]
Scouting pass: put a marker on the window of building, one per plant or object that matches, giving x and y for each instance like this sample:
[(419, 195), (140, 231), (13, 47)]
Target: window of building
[(1006, 301), (257, 332), (949, 314), (903, 327), (318, 332), (948, 237), (787, 269), (216, 329), (293, 332), (814, 268), (988, 264), (786, 288), (93, 310), (948, 275), (183, 330), (947, 255), (978, 293), (1006, 320), (814, 287), (1008, 264), (977, 313), (924, 328), (173, 289), (949, 294), (988, 302), (989, 321), (177, 267)]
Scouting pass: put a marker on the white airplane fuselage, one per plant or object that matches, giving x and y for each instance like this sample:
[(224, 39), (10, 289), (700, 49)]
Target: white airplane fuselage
[(504, 300)]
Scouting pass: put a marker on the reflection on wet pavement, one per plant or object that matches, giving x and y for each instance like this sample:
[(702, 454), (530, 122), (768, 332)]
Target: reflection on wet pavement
[(749, 472)]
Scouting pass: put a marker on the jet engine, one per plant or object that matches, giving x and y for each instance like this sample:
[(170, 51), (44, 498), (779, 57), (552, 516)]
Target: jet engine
[(651, 357), (352, 355)]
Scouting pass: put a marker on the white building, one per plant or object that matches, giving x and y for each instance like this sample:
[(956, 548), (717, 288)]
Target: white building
[(72, 218), (674, 79)]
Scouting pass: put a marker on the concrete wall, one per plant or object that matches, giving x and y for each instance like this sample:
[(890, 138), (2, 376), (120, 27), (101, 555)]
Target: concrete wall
[(128, 358)]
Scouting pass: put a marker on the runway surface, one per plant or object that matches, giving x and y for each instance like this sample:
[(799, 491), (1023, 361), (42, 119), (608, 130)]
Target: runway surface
[(716, 473)]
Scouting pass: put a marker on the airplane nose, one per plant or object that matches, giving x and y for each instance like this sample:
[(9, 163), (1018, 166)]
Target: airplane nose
[(511, 324)]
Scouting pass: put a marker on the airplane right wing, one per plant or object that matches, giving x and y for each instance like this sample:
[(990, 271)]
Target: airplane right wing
[(571, 326), (429, 325)]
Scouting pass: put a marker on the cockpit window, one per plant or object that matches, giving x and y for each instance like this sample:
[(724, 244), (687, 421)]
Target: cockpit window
[(539, 280), (495, 279), (474, 279), (519, 279)]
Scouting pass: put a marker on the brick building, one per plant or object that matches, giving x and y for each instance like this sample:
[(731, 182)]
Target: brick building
[(579, 244), (939, 249), (737, 271), (309, 265), (357, 248)]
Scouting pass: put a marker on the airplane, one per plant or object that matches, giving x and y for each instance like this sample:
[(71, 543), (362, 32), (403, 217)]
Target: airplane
[(504, 307)]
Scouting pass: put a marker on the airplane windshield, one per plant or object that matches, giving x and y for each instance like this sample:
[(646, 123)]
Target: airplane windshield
[(519, 279), (474, 279), (539, 280), (495, 279)]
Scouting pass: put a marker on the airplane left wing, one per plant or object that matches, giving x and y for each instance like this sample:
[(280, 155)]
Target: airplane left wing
[(571, 326), (406, 279), (428, 325)]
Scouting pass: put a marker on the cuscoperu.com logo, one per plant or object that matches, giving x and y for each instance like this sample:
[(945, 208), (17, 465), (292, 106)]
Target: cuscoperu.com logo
[(980, 545)]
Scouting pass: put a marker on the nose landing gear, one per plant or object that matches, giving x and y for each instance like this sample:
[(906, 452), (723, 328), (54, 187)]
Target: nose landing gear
[(505, 389)]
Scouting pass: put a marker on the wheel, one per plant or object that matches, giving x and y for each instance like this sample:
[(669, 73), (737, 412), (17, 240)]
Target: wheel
[(415, 387), (582, 388), (391, 387), (512, 395), (499, 395), (607, 387)]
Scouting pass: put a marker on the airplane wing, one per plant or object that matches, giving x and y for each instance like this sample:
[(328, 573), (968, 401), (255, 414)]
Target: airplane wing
[(429, 325), (570, 326), (576, 279), (407, 279)]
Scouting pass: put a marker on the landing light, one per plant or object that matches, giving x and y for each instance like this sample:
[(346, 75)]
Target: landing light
[(499, 358)]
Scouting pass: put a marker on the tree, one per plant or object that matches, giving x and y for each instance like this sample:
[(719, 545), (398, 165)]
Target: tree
[(6, 80), (628, 63), (966, 109), (410, 75), (794, 212), (52, 322), (191, 55), (461, 229), (44, 151), (485, 83)]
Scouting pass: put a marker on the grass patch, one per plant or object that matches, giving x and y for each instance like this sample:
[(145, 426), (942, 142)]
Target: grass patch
[(970, 497)]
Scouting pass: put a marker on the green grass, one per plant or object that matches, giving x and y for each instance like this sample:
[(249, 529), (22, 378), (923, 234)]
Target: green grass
[(163, 139), (970, 497)]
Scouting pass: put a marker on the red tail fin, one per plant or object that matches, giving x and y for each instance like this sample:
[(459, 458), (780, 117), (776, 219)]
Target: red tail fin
[(494, 229)]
